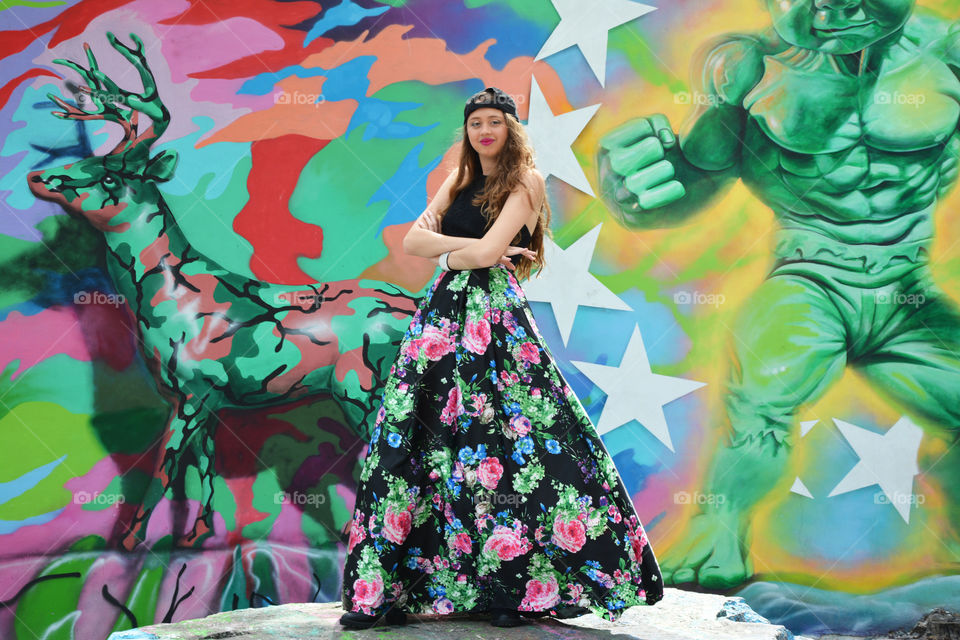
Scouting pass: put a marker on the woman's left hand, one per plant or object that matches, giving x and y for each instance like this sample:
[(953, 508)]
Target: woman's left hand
[(428, 220), (514, 250)]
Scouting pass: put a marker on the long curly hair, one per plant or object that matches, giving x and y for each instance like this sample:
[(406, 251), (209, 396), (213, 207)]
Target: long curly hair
[(513, 161)]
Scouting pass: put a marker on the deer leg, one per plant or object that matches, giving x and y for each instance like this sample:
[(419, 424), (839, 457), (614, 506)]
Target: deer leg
[(203, 447), (184, 420)]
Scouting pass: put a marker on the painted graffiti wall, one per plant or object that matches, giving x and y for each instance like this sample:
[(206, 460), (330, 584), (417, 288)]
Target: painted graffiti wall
[(752, 284)]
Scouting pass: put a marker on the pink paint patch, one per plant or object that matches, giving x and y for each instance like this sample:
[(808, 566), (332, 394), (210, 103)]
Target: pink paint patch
[(190, 49), (96, 331), (74, 522), (114, 572), (152, 12)]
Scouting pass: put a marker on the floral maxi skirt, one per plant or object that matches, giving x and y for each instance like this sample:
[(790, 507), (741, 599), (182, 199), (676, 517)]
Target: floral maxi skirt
[(485, 482)]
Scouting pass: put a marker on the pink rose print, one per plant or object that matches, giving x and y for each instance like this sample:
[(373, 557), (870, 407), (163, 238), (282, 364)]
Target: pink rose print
[(477, 336), (454, 406), (521, 424), (443, 605), (507, 543), (396, 526), (461, 542), (412, 350), (509, 378), (614, 513), (436, 342), (489, 473), (569, 535), (357, 534), (638, 542), (368, 595), (529, 352), (540, 596), (478, 401), (538, 535)]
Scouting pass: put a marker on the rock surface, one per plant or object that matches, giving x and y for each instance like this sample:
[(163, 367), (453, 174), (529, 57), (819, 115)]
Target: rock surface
[(681, 615)]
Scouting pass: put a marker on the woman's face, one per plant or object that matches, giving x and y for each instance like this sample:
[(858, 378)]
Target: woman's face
[(487, 131), (837, 26)]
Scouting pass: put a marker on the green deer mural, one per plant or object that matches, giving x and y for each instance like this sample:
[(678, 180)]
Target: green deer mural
[(211, 339)]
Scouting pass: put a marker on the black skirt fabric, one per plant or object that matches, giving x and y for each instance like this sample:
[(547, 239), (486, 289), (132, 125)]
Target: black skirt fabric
[(485, 483)]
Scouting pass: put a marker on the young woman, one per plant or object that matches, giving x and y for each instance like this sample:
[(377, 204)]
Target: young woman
[(486, 486)]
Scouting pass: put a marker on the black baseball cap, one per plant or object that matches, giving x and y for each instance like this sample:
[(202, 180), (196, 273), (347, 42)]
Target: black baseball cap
[(490, 97)]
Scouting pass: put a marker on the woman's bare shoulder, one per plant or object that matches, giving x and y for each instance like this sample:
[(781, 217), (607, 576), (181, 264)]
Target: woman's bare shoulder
[(533, 184)]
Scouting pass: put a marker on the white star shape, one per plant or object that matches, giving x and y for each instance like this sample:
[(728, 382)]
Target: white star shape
[(551, 137), (634, 392), (585, 24), (566, 282), (798, 487), (889, 460)]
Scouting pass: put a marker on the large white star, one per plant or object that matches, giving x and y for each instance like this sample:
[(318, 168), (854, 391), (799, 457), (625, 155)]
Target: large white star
[(552, 136), (585, 24), (634, 392), (889, 460), (566, 282)]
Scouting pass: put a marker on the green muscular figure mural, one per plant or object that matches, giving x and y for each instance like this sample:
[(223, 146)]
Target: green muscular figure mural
[(843, 118)]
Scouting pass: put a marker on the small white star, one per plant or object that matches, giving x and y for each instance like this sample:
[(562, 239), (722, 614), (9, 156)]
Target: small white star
[(566, 282), (585, 24), (634, 392), (552, 136), (889, 460), (800, 488)]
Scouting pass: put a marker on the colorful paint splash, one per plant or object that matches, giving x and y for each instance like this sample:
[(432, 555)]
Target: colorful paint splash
[(308, 137)]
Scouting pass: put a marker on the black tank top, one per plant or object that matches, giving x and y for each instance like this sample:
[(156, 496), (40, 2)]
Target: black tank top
[(464, 219)]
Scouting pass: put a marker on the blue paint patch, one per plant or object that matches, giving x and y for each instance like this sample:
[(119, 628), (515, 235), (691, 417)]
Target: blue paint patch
[(405, 190), (345, 14), (19, 486), (262, 83), (349, 81), (379, 116), (44, 141), (10, 526), (463, 31), (213, 164)]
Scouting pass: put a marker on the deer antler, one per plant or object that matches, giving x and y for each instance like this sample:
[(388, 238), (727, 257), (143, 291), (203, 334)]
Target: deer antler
[(114, 104)]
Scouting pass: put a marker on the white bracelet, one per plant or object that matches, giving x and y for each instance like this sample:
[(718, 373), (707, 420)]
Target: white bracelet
[(443, 261)]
